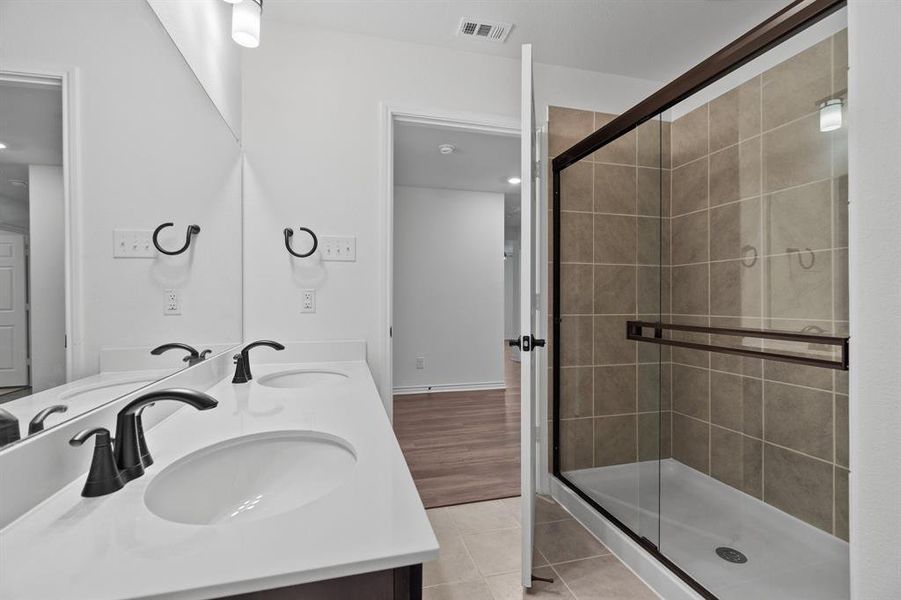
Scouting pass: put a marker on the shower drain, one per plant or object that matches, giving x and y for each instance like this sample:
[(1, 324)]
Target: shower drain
[(731, 554)]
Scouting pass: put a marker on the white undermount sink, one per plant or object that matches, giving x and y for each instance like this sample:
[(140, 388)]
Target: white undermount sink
[(251, 477), (301, 378)]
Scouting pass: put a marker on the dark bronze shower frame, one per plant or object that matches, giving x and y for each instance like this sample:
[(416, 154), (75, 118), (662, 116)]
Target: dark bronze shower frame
[(786, 23)]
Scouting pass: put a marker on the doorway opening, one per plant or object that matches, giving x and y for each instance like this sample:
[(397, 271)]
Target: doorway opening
[(455, 306)]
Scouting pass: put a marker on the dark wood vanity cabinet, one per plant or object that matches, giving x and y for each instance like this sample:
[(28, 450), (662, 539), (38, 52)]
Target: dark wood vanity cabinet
[(402, 583)]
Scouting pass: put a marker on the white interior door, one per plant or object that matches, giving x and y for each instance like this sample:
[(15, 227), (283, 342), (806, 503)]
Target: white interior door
[(13, 316), (528, 257)]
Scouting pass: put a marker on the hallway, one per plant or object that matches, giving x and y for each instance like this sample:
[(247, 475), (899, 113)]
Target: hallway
[(462, 446)]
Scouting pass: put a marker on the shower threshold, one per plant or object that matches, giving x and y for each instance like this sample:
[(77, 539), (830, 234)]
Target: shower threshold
[(787, 559)]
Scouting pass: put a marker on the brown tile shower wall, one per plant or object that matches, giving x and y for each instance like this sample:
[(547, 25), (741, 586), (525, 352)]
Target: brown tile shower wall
[(611, 272), (733, 215), (759, 239)]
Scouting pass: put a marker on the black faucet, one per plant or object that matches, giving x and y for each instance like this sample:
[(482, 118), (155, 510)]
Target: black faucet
[(37, 423), (104, 477), (132, 455), (193, 357), (242, 360), (9, 428)]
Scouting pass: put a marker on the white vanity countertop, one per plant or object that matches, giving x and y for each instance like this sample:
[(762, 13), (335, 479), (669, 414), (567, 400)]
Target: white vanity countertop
[(113, 547)]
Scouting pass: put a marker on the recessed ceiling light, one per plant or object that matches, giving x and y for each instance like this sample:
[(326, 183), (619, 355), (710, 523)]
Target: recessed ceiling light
[(2, 146), (446, 148), (514, 180)]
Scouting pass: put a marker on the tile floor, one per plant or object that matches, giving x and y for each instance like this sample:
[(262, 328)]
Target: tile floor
[(480, 556)]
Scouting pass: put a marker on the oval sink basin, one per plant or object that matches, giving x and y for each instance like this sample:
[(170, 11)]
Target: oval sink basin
[(250, 478), (301, 378)]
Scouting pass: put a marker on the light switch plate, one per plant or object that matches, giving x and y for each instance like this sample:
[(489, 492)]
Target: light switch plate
[(133, 243), (341, 248)]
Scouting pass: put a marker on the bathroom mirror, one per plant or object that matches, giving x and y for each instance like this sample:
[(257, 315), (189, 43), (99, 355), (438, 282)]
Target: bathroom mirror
[(120, 211)]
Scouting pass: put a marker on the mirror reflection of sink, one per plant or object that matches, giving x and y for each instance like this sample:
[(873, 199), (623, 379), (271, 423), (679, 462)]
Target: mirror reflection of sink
[(250, 477), (110, 390), (301, 378)]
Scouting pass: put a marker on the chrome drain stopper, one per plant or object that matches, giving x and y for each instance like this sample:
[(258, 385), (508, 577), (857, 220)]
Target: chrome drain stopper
[(731, 554)]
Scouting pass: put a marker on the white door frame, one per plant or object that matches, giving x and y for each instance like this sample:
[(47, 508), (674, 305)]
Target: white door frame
[(491, 124), (67, 81)]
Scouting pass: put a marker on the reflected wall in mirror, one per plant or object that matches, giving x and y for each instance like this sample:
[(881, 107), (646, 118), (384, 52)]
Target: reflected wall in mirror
[(103, 144)]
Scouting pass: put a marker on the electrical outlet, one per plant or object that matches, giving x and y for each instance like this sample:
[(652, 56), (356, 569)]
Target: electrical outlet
[(308, 302), (338, 248), (171, 305), (420, 362), (133, 243)]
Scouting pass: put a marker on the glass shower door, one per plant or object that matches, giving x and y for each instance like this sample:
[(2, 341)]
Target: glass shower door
[(609, 222), (754, 498)]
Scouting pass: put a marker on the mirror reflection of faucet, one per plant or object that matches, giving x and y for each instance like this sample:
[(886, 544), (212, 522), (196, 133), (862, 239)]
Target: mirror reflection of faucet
[(37, 423), (9, 428), (193, 356)]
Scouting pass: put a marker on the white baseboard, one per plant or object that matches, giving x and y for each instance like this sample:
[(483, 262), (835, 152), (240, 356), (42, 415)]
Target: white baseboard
[(449, 387), (660, 579)]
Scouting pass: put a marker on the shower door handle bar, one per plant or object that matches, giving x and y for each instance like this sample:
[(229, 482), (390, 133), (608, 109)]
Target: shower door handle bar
[(634, 331)]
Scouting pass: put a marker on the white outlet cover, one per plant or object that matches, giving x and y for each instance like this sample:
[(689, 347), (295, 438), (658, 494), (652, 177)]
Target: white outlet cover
[(171, 303), (308, 301)]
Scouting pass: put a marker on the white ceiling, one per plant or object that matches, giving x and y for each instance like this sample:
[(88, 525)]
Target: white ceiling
[(481, 162), (31, 126), (648, 39)]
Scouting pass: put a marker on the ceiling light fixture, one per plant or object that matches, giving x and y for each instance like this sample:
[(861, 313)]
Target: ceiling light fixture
[(831, 115), (514, 180), (246, 17), (2, 146), (446, 149)]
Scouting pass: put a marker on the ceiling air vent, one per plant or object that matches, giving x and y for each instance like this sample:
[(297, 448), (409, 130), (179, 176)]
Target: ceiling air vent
[(490, 31)]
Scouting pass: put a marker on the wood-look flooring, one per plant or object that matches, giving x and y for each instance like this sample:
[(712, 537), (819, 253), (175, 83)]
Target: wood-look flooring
[(462, 446)]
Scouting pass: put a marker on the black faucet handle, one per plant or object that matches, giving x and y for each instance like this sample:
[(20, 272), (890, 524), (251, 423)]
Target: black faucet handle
[(242, 360), (103, 477), (37, 423), (241, 370)]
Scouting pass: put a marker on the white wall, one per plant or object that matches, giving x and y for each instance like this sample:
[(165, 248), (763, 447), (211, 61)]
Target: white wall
[(874, 156), (202, 31), (313, 143), (152, 149), (448, 289), (47, 273), (13, 214)]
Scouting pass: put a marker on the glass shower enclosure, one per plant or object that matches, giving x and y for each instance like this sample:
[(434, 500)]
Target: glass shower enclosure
[(700, 315)]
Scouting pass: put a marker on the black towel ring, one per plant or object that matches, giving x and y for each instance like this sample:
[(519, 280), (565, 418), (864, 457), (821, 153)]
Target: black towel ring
[(192, 230), (289, 232)]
